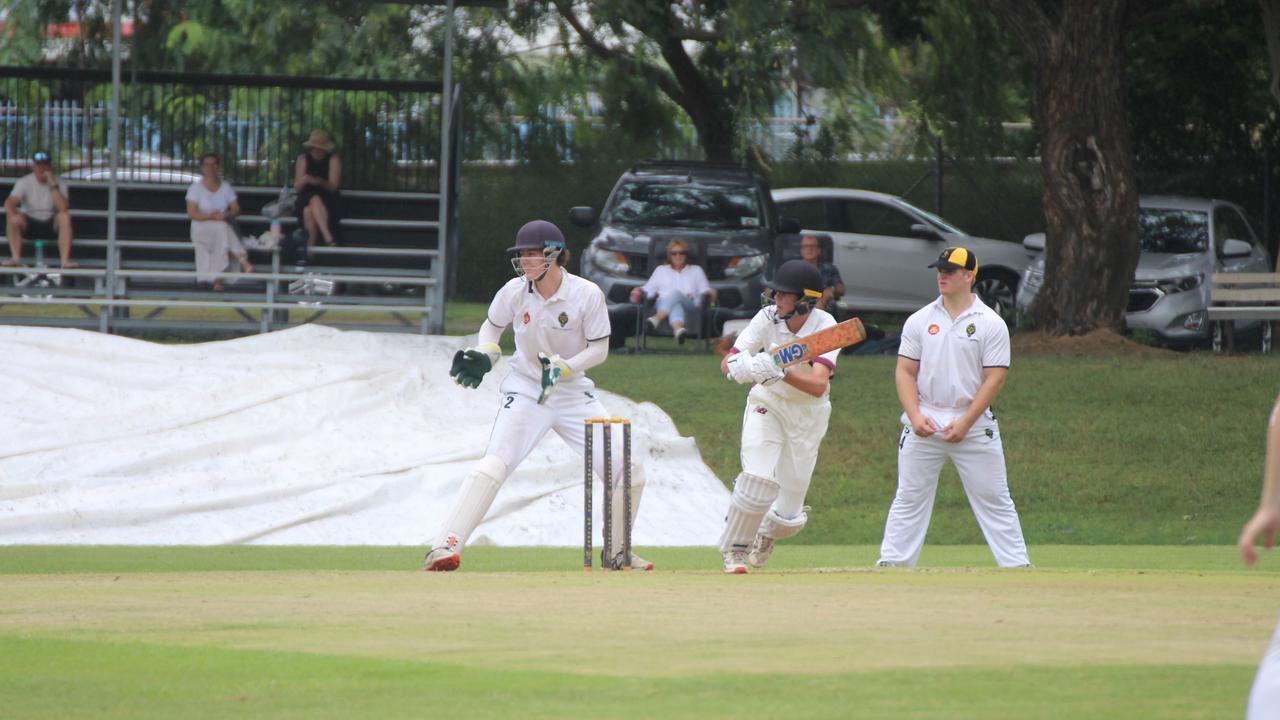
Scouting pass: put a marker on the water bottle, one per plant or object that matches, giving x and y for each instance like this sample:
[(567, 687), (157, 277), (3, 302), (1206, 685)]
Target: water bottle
[(277, 229)]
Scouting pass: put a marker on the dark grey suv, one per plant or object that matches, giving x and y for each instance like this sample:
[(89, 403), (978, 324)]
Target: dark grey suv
[(724, 213)]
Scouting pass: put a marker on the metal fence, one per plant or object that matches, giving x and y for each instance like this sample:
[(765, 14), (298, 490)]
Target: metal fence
[(388, 132)]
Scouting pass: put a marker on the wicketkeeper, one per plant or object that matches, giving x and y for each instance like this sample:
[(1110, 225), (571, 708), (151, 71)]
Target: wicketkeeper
[(784, 421), (561, 326)]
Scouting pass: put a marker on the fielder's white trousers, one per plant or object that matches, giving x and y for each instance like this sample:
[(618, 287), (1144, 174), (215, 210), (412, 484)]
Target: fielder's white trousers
[(979, 459), (522, 422), (780, 440), (1264, 698)]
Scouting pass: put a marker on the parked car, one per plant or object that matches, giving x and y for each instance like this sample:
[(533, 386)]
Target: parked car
[(132, 175), (1183, 241), (883, 246), (724, 213)]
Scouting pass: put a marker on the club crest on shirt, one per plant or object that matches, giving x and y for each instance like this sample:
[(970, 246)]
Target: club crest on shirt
[(933, 329), (526, 318), (970, 330), (564, 318)]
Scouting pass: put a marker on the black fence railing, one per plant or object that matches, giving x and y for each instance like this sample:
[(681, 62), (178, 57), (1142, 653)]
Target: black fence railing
[(387, 132)]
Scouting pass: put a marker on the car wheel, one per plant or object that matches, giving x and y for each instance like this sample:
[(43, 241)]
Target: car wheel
[(1266, 336), (998, 291), (1216, 339)]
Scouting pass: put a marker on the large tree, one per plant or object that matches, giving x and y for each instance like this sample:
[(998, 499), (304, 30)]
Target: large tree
[(722, 62), (1075, 51)]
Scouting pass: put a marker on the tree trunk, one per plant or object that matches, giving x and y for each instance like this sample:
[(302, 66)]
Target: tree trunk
[(1090, 196)]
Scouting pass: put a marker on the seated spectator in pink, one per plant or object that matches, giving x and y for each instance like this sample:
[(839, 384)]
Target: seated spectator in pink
[(679, 288), (38, 207)]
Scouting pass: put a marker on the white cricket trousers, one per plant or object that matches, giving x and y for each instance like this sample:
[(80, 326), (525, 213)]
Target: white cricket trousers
[(979, 459), (1264, 698), (780, 440), (522, 422)]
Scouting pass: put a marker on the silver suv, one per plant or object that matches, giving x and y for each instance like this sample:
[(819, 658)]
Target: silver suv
[(1183, 242)]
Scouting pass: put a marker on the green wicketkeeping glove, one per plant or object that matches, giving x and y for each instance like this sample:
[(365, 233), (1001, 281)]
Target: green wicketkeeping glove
[(553, 368), (470, 365)]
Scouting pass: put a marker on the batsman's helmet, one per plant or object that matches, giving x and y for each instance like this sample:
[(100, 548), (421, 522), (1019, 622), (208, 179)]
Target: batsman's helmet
[(538, 235), (798, 278)]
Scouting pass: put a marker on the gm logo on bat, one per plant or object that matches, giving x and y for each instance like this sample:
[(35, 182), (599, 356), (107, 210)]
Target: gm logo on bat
[(789, 353)]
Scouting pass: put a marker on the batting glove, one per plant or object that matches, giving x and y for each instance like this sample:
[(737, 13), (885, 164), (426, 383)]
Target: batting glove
[(739, 366), (470, 365), (764, 370), (553, 368)]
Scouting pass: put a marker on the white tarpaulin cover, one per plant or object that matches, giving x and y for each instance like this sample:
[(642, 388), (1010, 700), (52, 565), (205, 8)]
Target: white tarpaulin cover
[(306, 436)]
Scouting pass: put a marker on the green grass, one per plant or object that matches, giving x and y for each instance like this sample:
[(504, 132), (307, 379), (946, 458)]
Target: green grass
[(1094, 632), (1161, 449)]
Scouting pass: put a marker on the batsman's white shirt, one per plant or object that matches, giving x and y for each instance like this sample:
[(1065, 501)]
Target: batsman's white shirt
[(782, 427), (561, 325)]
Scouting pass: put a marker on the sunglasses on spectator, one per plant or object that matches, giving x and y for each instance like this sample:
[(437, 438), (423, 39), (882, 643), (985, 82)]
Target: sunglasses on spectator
[(679, 252)]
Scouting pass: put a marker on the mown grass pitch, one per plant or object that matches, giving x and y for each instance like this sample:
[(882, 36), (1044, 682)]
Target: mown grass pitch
[(1093, 632)]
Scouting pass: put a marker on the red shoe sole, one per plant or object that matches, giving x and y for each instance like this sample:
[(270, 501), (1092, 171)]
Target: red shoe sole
[(445, 564)]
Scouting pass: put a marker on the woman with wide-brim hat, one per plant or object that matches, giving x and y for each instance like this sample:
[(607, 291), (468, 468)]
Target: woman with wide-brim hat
[(317, 176)]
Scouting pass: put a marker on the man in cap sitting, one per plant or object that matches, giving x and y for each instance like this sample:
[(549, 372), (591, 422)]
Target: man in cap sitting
[(38, 207)]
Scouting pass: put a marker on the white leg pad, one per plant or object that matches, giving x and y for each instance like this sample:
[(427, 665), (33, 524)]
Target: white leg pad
[(780, 528), (620, 508), (752, 496), (479, 488)]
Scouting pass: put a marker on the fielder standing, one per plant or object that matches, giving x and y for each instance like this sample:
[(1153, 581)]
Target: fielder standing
[(561, 327), (784, 422), (952, 362), (1264, 699)]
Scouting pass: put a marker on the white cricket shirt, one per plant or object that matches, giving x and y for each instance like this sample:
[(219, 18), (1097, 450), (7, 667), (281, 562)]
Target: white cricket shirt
[(561, 325), (763, 332), (953, 353)]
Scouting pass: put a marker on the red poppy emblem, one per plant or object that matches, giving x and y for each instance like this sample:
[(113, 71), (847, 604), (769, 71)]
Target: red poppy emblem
[(526, 318), (933, 329)]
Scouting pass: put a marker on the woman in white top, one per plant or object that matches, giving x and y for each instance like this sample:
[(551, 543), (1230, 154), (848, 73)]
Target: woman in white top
[(678, 287), (210, 204)]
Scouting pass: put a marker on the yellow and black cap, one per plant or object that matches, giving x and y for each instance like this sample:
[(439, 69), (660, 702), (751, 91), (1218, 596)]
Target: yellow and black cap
[(956, 258)]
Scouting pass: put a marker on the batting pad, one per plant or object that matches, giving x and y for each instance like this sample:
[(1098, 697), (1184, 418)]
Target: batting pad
[(752, 496), (479, 488), (780, 528)]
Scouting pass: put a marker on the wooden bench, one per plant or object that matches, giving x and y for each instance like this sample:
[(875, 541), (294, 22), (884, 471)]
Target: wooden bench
[(1236, 297)]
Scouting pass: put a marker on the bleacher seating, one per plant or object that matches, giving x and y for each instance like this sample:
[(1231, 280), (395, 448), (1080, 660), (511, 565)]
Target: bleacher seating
[(383, 275)]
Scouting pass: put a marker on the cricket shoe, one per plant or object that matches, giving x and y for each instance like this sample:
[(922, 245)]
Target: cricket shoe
[(619, 563), (445, 557), (761, 551), (735, 562)]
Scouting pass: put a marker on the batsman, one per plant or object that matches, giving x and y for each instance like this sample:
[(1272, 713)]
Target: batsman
[(784, 421), (561, 327)]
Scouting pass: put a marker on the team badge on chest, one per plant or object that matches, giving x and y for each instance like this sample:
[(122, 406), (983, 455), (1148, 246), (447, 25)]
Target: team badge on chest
[(933, 329), (564, 318), (526, 318), (971, 330)]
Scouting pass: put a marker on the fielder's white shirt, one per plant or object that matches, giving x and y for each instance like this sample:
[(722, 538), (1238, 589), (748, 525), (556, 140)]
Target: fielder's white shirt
[(764, 331), (953, 354), (561, 325), (37, 198), (690, 282)]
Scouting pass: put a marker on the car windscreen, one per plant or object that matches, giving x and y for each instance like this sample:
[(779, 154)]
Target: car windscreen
[(942, 225), (1173, 231), (686, 205)]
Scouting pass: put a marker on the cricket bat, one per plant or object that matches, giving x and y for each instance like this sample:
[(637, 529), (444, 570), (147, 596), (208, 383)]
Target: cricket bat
[(849, 332)]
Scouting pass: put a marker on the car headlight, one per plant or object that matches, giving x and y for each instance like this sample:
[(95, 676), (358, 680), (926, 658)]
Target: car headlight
[(1032, 278), (745, 265), (1182, 284), (611, 261)]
